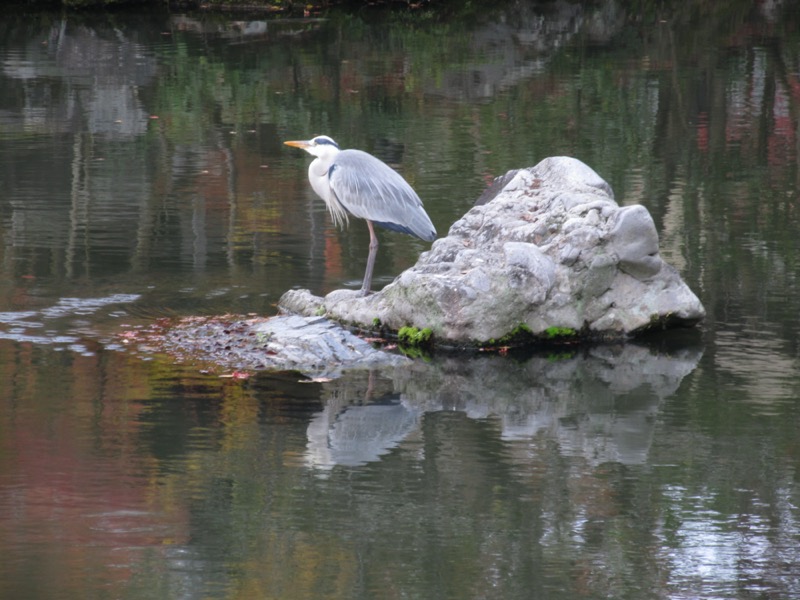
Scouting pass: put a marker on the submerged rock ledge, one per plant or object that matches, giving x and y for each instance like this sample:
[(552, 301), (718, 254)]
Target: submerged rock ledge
[(545, 254), (313, 346)]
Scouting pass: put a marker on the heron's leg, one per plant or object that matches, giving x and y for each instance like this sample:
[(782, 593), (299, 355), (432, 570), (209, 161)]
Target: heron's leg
[(373, 251)]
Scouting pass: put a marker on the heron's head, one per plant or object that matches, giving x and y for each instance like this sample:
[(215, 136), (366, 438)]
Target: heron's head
[(320, 145)]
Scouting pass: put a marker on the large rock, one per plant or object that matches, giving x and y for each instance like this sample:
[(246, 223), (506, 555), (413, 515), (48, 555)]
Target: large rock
[(545, 247)]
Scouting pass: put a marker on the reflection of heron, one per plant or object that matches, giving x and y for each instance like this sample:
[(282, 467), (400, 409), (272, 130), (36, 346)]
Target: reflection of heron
[(357, 435), (354, 182)]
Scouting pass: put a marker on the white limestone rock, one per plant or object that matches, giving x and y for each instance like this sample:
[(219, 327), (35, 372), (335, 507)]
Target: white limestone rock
[(545, 247)]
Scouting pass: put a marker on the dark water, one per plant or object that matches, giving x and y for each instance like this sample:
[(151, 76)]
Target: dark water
[(142, 175)]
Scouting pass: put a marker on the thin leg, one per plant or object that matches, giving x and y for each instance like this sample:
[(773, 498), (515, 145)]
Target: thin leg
[(373, 251)]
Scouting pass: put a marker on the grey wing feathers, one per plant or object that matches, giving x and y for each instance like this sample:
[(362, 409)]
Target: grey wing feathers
[(369, 189)]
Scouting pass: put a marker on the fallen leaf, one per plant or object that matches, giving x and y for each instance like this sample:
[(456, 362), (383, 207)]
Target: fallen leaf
[(235, 375), (316, 380)]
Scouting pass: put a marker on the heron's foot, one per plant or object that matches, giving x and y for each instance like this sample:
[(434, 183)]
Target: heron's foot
[(363, 293)]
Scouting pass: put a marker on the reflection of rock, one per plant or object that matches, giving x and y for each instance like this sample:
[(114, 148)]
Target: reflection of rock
[(519, 43), (547, 248), (600, 405)]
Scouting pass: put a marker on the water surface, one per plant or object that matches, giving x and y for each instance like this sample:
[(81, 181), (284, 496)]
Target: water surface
[(142, 175)]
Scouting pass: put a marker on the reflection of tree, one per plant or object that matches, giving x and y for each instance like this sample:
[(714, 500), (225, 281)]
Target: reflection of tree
[(177, 201), (71, 468), (727, 162)]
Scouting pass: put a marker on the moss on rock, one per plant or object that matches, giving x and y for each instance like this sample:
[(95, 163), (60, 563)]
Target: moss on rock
[(411, 336)]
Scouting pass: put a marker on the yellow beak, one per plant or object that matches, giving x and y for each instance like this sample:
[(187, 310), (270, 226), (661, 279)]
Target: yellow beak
[(298, 144)]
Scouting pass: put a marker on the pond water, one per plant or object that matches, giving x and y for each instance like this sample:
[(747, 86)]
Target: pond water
[(142, 175)]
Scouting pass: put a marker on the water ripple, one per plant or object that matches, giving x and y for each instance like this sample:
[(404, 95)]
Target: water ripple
[(21, 323), (85, 306)]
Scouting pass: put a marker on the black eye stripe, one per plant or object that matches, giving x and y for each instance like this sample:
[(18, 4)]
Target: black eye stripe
[(324, 140)]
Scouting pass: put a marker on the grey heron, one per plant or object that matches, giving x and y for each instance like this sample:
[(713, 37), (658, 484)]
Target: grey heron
[(352, 182)]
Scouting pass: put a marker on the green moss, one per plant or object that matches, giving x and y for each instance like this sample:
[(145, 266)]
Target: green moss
[(520, 335), (376, 323), (520, 330), (320, 312), (553, 333), (415, 343), (658, 321), (411, 336), (559, 356)]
